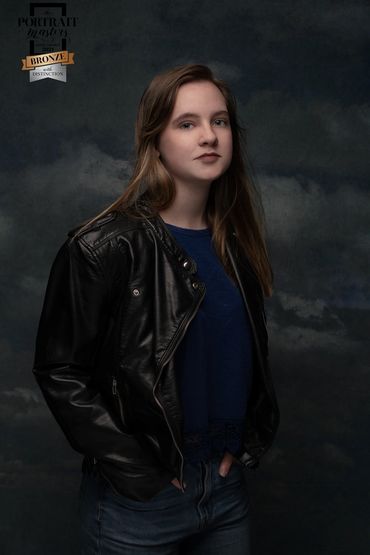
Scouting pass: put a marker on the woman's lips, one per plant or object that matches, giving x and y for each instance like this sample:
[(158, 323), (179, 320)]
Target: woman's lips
[(208, 157)]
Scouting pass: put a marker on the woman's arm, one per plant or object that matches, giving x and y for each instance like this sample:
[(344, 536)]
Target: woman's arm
[(73, 320)]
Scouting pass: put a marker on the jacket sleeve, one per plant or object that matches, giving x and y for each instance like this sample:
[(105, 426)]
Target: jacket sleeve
[(73, 319)]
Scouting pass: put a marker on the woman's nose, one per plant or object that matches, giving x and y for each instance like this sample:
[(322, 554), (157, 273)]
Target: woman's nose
[(207, 134)]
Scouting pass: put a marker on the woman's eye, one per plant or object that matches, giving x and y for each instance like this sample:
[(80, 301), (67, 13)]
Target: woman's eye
[(219, 123), (185, 123), (224, 122)]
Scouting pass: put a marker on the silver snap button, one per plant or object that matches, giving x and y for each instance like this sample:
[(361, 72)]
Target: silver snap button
[(195, 285), (135, 292)]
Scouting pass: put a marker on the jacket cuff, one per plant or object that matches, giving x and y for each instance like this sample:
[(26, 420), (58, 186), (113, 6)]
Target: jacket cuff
[(248, 461)]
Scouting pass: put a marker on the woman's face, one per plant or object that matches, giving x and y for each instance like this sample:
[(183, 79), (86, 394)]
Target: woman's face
[(199, 124)]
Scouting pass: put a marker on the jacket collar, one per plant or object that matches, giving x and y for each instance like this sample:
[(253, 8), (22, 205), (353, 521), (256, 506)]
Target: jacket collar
[(158, 226), (156, 223), (239, 261)]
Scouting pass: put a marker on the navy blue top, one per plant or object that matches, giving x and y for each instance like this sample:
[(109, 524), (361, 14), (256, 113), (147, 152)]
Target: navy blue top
[(214, 360)]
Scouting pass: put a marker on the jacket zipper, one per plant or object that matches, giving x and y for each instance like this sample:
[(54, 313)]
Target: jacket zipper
[(114, 385), (117, 395), (169, 352)]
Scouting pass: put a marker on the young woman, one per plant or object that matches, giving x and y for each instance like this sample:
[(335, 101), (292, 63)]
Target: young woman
[(152, 349)]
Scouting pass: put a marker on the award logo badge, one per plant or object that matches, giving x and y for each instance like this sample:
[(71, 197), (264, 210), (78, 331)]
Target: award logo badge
[(47, 27), (48, 66)]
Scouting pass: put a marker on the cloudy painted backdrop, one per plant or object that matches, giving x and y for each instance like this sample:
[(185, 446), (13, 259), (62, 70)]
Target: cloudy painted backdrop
[(300, 74)]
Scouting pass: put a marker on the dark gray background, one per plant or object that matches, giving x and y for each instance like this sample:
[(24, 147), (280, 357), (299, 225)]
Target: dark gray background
[(298, 69)]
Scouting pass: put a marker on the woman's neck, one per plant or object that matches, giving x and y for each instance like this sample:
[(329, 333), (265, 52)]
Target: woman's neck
[(187, 210)]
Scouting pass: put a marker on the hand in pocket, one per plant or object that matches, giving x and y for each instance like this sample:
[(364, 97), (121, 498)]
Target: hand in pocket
[(225, 465), (176, 483)]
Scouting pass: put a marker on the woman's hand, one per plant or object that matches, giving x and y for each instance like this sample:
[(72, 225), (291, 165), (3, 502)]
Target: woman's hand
[(225, 464), (176, 483), (224, 468)]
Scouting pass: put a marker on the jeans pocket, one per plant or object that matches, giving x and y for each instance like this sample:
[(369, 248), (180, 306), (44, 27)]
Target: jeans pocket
[(91, 494)]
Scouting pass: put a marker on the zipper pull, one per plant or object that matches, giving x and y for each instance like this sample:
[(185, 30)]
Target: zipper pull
[(114, 386)]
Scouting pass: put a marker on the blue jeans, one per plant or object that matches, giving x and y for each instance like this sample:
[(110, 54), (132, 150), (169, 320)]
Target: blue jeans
[(210, 518)]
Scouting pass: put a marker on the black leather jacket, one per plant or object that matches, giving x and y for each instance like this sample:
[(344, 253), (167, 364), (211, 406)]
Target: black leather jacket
[(119, 299)]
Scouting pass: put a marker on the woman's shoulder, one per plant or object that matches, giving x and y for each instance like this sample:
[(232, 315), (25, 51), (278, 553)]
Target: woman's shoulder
[(99, 230)]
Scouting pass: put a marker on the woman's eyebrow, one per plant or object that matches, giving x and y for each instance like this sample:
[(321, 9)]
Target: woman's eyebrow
[(192, 115)]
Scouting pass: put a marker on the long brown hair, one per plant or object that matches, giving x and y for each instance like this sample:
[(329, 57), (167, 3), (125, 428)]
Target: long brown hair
[(233, 204)]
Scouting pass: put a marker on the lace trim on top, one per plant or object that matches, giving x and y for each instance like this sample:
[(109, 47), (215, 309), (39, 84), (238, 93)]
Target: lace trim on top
[(222, 435)]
